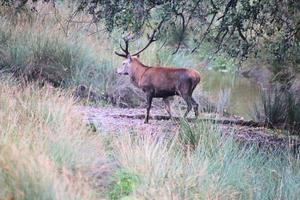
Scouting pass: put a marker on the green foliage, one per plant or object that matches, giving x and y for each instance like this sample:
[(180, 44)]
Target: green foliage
[(124, 184), (240, 27), (223, 63)]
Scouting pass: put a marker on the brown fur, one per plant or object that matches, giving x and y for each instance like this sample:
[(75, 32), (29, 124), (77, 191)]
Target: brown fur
[(162, 82)]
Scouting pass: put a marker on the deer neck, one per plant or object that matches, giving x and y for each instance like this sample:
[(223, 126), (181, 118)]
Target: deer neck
[(138, 70)]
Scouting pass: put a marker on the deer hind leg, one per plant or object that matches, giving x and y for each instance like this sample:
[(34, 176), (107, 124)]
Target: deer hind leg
[(195, 107), (149, 102), (185, 92), (189, 103), (166, 100)]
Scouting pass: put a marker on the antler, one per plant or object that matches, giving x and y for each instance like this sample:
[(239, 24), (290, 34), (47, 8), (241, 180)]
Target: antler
[(151, 38), (125, 50)]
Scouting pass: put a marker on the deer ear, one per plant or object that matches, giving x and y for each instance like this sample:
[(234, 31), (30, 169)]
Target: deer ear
[(138, 56)]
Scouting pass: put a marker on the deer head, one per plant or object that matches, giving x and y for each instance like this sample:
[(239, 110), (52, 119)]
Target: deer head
[(125, 68)]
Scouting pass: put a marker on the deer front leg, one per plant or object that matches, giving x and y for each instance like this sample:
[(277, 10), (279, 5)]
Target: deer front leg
[(149, 102)]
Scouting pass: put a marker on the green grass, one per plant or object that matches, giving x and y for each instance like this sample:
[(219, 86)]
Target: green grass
[(278, 109), (123, 185)]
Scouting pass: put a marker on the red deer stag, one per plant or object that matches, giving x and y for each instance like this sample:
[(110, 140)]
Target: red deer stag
[(159, 82)]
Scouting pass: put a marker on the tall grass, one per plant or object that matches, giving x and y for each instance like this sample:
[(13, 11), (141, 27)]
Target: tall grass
[(278, 108), (214, 168), (44, 147), (40, 50)]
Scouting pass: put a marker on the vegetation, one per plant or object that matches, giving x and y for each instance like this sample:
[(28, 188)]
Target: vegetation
[(215, 168), (32, 51), (124, 184), (279, 109), (44, 147)]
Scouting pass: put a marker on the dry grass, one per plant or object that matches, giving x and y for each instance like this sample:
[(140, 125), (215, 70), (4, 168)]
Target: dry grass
[(44, 147), (215, 168)]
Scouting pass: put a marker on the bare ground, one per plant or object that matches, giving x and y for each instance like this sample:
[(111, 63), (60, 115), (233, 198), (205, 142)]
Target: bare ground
[(109, 120)]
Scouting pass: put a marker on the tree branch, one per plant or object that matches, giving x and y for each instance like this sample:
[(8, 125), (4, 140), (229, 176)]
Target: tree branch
[(205, 33)]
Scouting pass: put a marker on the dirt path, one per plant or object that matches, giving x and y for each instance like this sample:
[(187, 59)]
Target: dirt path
[(117, 120), (113, 120)]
